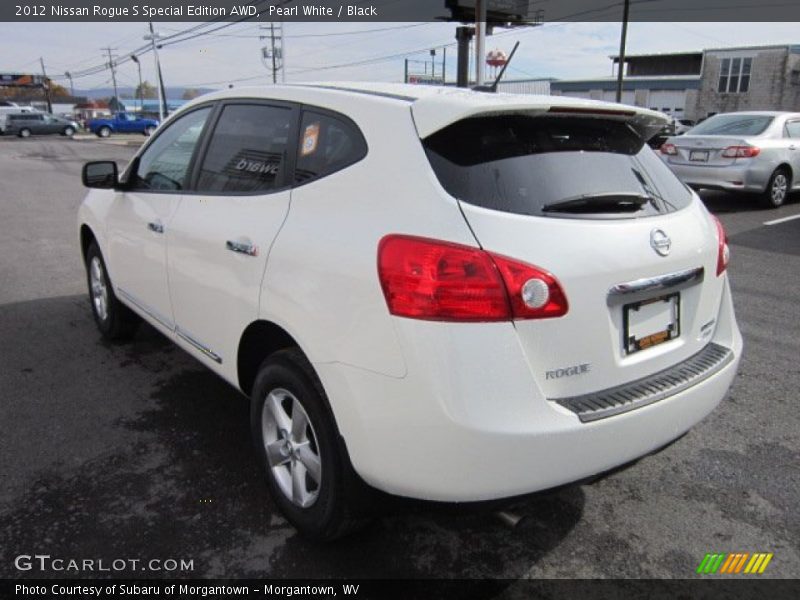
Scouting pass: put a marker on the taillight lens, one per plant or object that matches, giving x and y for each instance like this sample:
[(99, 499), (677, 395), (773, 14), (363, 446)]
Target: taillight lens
[(441, 281), (668, 149), (741, 151), (723, 252)]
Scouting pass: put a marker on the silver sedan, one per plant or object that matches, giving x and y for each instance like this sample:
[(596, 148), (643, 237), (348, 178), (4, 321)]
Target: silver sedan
[(742, 151)]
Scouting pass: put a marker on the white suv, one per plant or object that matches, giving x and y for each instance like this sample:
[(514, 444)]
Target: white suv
[(444, 294)]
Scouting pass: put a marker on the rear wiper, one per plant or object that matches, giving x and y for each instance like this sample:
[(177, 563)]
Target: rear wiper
[(598, 203)]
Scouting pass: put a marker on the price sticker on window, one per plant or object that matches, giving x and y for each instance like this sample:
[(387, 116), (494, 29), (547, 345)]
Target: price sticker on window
[(310, 139)]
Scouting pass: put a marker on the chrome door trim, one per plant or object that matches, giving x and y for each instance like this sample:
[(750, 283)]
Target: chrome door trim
[(201, 347), (659, 283), (151, 312)]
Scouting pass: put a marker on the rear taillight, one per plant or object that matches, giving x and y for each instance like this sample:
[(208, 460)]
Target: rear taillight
[(441, 281), (668, 149), (741, 151), (723, 252)]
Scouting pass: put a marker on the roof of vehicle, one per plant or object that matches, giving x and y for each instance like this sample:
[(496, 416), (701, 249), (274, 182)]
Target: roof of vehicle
[(757, 113), (435, 107)]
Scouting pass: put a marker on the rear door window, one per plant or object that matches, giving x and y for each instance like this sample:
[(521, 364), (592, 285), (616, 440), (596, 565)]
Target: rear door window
[(248, 150), (553, 166), (327, 144)]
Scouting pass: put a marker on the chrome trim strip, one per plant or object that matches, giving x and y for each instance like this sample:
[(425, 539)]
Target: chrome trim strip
[(659, 283), (623, 398), (204, 349), (155, 315)]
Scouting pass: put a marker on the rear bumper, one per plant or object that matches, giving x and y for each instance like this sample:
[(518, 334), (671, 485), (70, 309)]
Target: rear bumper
[(748, 177), (471, 424)]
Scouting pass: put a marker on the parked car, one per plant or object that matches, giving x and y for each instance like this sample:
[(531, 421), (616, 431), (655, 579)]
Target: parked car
[(757, 152), (36, 123), (414, 288), (681, 126), (121, 123)]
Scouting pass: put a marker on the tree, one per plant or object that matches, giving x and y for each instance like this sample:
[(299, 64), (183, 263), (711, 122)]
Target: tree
[(58, 91), (145, 90), (190, 94)]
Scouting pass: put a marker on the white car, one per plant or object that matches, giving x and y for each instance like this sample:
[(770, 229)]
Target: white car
[(439, 293)]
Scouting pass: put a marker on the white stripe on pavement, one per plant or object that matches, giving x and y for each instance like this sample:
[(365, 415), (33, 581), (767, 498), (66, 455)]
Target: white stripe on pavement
[(783, 220)]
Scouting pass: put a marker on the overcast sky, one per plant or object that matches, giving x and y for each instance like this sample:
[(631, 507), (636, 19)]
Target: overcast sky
[(561, 50)]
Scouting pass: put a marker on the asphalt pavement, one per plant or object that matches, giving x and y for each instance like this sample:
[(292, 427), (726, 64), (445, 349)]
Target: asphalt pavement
[(135, 451)]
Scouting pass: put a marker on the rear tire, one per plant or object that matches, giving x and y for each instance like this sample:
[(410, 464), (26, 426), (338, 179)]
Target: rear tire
[(115, 321), (104, 132), (777, 189), (69, 131), (304, 459), (25, 133)]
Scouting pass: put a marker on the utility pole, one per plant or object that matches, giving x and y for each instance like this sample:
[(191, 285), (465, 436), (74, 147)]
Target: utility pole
[(162, 99), (46, 84), (68, 75), (275, 51), (112, 65), (135, 59), (622, 40), (480, 40), (463, 36), (444, 65)]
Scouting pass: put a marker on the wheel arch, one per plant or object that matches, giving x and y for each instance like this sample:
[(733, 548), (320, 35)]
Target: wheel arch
[(87, 237), (788, 168), (259, 339)]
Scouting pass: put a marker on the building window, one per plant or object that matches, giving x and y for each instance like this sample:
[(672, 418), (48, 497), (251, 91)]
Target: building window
[(734, 75)]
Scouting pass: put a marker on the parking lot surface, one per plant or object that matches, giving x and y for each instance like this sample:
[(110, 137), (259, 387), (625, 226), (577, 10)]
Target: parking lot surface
[(136, 451)]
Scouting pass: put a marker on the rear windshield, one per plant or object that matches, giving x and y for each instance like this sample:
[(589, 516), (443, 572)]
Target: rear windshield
[(733, 125), (553, 166)]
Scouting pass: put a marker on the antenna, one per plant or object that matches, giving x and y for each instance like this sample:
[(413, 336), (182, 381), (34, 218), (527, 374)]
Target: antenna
[(493, 87)]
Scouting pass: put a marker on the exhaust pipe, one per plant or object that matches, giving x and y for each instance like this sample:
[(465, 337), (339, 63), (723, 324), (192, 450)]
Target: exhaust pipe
[(509, 519)]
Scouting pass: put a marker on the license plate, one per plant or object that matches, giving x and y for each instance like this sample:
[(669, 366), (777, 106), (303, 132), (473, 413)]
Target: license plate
[(698, 155), (651, 322)]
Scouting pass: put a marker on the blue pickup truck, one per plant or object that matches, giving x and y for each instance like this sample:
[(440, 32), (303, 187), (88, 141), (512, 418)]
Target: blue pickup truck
[(121, 123)]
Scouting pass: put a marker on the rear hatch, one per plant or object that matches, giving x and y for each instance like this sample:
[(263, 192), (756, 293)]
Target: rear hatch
[(580, 194)]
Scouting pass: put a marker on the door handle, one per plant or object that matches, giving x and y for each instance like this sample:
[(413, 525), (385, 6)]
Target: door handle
[(242, 248), (155, 227)]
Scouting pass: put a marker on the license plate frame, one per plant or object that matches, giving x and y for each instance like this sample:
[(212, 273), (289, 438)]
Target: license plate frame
[(642, 321), (698, 155)]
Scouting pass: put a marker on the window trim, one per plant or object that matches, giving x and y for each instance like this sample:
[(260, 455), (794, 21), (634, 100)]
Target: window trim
[(126, 184), (786, 133), (291, 147), (729, 75), (304, 108)]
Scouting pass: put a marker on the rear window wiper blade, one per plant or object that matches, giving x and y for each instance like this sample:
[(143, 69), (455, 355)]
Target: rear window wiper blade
[(598, 203)]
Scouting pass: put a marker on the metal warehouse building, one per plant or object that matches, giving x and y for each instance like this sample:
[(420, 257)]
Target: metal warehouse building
[(695, 85)]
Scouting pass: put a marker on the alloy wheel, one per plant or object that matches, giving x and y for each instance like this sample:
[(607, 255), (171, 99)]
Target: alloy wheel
[(99, 289), (780, 186), (291, 447)]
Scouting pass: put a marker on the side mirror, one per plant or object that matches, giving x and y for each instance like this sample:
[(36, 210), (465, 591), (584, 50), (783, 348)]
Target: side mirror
[(100, 174)]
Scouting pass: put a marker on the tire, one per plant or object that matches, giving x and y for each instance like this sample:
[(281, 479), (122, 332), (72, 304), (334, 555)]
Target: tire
[(115, 321), (104, 132), (777, 189), (24, 133), (322, 507), (69, 131), (148, 131)]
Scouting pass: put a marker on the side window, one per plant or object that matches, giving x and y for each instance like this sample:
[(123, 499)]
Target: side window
[(164, 164), (327, 144), (793, 129), (247, 152)]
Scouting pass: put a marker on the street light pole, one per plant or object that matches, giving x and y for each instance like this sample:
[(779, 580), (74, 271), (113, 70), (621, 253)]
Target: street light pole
[(135, 59), (68, 75), (152, 37)]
